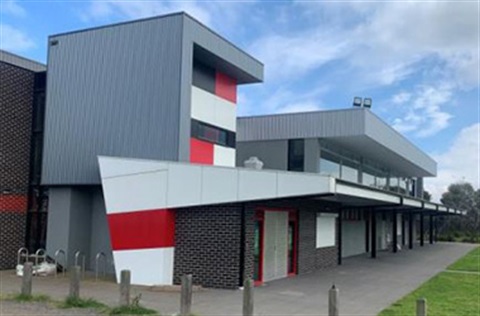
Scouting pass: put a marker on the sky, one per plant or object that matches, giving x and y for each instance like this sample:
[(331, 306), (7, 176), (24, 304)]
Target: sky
[(417, 60)]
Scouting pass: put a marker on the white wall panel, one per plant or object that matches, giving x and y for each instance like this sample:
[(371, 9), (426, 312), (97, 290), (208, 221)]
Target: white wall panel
[(136, 192), (147, 266), (300, 184), (256, 185), (184, 185), (220, 185), (209, 108), (325, 231), (223, 156)]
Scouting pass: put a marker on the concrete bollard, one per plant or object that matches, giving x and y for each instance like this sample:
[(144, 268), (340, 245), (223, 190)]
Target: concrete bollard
[(186, 296), (333, 303), (125, 288), (422, 307), (27, 279), (248, 297), (75, 275)]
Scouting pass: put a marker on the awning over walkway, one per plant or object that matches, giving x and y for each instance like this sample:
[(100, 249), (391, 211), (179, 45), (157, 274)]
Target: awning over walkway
[(134, 184)]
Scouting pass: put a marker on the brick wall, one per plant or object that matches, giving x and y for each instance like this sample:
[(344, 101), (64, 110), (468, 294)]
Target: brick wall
[(309, 257), (16, 99), (207, 245)]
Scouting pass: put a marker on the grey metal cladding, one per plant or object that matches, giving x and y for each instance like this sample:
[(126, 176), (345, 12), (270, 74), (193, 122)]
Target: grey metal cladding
[(110, 92), (390, 138), (221, 54), (301, 125), (21, 62)]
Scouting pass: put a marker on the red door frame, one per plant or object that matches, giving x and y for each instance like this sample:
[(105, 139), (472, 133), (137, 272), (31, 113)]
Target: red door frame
[(292, 217)]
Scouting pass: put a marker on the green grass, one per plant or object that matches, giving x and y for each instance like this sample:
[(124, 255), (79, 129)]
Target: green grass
[(30, 298), (448, 293), (471, 262), (132, 310), (71, 302)]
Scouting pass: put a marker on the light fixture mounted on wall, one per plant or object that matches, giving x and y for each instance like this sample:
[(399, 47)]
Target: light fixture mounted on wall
[(366, 102)]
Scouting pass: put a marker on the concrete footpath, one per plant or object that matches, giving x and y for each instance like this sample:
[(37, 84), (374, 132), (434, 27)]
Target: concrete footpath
[(366, 286)]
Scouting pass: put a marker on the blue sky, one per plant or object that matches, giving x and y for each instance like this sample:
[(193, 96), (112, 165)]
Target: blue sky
[(419, 61)]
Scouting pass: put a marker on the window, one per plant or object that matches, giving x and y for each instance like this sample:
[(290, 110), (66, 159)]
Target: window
[(296, 154), (212, 134), (326, 223), (329, 165), (349, 171)]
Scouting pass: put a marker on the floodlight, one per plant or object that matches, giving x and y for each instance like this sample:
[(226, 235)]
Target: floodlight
[(367, 102), (357, 101)]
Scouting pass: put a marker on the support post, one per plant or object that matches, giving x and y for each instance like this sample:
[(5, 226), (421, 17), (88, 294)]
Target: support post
[(410, 230), (339, 234), (403, 229), (394, 231), (27, 279), (422, 230), (125, 288), (75, 275), (367, 232), (436, 228), (333, 303), (247, 309), (422, 307), (430, 226), (373, 221), (186, 296)]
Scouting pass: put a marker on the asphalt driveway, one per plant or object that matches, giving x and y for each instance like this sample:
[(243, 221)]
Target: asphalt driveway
[(366, 286)]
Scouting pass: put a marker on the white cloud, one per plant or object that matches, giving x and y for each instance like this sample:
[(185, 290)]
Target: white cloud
[(12, 39), (424, 114), (13, 8), (460, 162)]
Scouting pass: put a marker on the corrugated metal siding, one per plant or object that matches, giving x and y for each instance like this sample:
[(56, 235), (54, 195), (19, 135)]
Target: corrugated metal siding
[(390, 138), (301, 125), (110, 92), (21, 62)]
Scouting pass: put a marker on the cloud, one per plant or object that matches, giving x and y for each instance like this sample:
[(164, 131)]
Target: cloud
[(460, 162), (12, 39), (423, 114), (13, 8)]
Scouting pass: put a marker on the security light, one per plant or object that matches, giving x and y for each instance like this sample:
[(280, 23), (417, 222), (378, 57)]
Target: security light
[(357, 101), (367, 102)]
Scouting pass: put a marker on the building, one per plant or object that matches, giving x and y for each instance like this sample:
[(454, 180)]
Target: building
[(22, 91), (143, 155)]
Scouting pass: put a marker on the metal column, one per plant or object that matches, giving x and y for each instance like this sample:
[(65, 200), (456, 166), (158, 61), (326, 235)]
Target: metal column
[(431, 228), (394, 231), (422, 228), (410, 230), (403, 229), (373, 226), (339, 226)]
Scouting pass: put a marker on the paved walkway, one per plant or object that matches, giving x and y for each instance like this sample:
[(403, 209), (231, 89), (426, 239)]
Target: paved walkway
[(366, 286)]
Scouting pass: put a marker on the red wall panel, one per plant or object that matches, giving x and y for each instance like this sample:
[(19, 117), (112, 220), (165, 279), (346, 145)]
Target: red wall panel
[(226, 87), (142, 229), (201, 152), (13, 203)]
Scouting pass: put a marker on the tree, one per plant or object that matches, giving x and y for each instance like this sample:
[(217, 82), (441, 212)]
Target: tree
[(426, 195), (463, 196)]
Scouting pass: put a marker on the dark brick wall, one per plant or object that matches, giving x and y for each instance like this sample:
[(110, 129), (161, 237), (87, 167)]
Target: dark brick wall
[(16, 99), (249, 240), (309, 257), (207, 245)]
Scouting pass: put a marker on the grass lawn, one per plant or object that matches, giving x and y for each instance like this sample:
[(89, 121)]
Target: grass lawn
[(448, 293), (471, 262)]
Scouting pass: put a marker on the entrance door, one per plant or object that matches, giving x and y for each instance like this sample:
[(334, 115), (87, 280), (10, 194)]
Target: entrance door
[(275, 265)]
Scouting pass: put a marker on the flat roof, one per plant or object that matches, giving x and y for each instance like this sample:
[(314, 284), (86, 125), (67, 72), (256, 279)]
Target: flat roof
[(21, 62), (355, 129)]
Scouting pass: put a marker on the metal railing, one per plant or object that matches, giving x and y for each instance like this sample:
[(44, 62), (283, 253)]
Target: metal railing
[(97, 259), (40, 254), (77, 254), (22, 253), (57, 253)]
